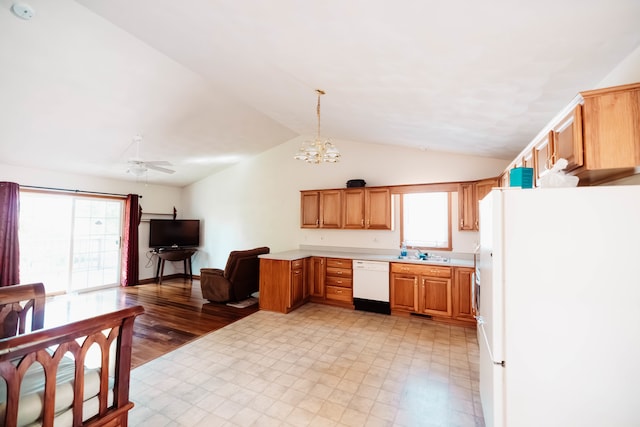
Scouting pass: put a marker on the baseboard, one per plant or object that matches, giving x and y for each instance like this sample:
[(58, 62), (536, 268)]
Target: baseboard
[(167, 277)]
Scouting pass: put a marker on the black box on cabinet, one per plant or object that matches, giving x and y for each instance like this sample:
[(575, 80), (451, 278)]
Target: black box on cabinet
[(356, 183)]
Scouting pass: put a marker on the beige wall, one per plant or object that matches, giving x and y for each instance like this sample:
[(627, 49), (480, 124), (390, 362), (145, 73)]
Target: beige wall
[(257, 202)]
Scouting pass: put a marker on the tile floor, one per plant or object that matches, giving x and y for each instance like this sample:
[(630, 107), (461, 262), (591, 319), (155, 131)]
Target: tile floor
[(317, 366)]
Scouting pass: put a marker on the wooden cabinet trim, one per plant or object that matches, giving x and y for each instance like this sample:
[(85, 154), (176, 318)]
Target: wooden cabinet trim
[(602, 142)]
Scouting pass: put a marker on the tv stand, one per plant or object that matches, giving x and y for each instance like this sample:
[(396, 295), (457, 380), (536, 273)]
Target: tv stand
[(174, 254)]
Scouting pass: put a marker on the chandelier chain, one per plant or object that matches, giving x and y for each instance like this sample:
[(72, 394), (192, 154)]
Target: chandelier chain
[(318, 151)]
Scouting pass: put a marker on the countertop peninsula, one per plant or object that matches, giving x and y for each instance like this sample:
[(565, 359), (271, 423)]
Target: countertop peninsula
[(454, 260)]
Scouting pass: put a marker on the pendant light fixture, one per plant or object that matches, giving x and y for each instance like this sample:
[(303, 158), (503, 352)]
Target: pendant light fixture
[(319, 150)]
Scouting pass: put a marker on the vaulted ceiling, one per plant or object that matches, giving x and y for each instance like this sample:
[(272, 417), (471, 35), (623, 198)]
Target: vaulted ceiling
[(210, 82)]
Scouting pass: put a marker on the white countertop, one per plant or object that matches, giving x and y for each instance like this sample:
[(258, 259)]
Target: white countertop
[(304, 253)]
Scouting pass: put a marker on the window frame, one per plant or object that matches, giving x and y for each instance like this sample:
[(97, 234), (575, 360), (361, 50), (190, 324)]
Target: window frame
[(74, 196), (448, 188)]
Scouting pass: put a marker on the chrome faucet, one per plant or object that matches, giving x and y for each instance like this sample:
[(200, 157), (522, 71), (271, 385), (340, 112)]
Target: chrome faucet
[(421, 255)]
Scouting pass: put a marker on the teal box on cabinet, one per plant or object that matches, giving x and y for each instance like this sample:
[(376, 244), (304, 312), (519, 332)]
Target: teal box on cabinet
[(521, 177)]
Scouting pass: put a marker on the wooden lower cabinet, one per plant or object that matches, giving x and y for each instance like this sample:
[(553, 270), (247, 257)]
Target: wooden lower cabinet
[(436, 291), (434, 297), (315, 276), (403, 294), (444, 293), (339, 281), (282, 284), (463, 294), (297, 290)]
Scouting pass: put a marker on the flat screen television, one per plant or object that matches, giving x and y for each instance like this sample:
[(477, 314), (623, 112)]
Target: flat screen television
[(174, 233)]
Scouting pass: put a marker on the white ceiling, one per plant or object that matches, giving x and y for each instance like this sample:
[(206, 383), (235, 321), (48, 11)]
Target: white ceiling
[(209, 82)]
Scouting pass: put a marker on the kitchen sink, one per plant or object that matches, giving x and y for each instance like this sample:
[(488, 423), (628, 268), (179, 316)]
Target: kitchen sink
[(430, 258)]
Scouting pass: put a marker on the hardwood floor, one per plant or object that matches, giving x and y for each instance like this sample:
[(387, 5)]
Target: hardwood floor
[(175, 313)]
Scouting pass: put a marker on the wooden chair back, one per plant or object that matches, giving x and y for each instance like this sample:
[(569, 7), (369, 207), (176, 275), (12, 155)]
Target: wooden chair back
[(16, 303)]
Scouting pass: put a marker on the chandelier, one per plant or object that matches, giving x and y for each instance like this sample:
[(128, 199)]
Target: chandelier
[(318, 150)]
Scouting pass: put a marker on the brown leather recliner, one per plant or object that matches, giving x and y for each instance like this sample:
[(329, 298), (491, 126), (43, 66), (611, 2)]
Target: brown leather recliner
[(237, 281)]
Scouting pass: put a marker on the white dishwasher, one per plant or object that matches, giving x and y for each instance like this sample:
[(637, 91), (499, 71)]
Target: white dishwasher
[(371, 286)]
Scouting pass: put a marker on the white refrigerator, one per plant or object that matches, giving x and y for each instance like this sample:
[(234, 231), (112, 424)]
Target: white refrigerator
[(559, 307)]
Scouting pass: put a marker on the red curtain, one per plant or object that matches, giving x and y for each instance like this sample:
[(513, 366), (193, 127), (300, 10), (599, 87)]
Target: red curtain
[(9, 247), (130, 254)]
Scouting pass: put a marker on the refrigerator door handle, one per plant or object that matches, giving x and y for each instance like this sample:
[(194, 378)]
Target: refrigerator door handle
[(479, 320), (486, 343)]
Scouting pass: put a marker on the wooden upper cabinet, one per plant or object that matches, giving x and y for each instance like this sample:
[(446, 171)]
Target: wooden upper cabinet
[(354, 212), (528, 162), (310, 209), (351, 208), (378, 208), (484, 187), (567, 139), (321, 209), (469, 196), (503, 180), (467, 206), (542, 151), (598, 134), (331, 209), (611, 122)]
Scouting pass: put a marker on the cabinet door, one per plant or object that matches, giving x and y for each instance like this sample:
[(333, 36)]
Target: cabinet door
[(315, 276), (404, 292), (296, 295), (466, 207), (354, 200), (275, 289), (528, 162), (567, 139), (482, 189), (611, 127), (462, 294), (435, 296), (542, 155), (331, 209), (378, 209), (310, 209), (504, 179)]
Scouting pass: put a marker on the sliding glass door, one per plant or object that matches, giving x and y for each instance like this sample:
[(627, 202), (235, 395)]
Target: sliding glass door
[(70, 243)]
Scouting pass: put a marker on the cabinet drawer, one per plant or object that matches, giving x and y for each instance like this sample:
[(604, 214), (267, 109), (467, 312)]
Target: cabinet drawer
[(339, 294), (296, 264), (422, 270), (406, 268), (339, 263), (339, 272), (434, 271), (345, 282)]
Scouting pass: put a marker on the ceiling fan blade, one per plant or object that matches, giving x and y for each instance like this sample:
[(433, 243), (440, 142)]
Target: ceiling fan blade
[(158, 163), (158, 168)]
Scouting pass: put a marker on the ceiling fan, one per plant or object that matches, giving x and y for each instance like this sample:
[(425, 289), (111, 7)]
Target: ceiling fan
[(139, 167)]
